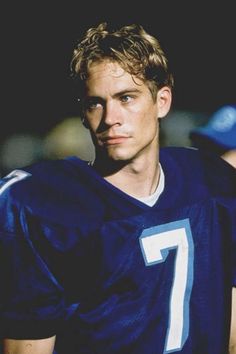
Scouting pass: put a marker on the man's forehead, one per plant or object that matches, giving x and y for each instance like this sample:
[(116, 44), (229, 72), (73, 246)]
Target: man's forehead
[(106, 67), (108, 77)]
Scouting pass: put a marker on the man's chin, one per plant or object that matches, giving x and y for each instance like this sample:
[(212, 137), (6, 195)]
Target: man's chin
[(119, 157), (114, 154)]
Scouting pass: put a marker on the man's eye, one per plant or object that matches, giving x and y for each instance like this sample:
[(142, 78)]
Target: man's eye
[(91, 104), (125, 98)]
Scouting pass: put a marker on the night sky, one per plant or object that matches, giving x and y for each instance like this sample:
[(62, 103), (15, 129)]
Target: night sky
[(37, 40)]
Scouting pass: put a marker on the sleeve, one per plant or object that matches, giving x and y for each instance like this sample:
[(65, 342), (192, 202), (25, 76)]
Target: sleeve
[(31, 300)]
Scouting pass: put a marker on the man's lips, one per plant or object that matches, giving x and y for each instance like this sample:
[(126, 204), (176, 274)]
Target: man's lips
[(113, 140)]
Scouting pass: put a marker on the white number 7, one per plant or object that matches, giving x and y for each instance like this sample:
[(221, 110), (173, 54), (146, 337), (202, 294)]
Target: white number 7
[(155, 244)]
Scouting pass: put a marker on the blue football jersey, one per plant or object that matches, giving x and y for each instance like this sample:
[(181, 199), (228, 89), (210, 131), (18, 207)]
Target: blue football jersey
[(108, 274)]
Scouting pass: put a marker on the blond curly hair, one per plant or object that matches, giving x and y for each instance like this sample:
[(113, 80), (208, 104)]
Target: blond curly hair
[(136, 51)]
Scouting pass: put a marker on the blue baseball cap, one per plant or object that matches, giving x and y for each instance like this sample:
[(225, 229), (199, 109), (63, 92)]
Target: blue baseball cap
[(220, 129)]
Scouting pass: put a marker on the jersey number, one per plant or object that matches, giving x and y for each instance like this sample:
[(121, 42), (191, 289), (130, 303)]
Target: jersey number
[(12, 178), (155, 244)]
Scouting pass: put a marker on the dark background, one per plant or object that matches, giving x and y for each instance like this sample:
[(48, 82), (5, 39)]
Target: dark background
[(37, 39)]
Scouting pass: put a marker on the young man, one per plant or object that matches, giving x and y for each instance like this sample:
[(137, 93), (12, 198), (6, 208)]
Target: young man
[(133, 253)]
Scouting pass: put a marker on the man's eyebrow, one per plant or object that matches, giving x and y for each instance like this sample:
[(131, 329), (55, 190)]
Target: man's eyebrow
[(126, 91)]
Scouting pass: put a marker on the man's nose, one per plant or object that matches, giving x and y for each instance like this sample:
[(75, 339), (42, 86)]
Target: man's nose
[(112, 114)]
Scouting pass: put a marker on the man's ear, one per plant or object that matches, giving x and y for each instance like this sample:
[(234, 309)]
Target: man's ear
[(164, 99)]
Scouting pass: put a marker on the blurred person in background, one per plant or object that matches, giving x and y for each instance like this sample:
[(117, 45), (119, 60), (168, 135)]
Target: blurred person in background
[(19, 150), (134, 252), (68, 138), (218, 136)]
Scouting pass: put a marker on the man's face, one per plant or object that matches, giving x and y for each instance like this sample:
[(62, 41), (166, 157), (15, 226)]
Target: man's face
[(120, 112)]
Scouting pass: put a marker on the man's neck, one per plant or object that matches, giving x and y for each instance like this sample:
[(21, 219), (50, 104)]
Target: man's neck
[(137, 178)]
